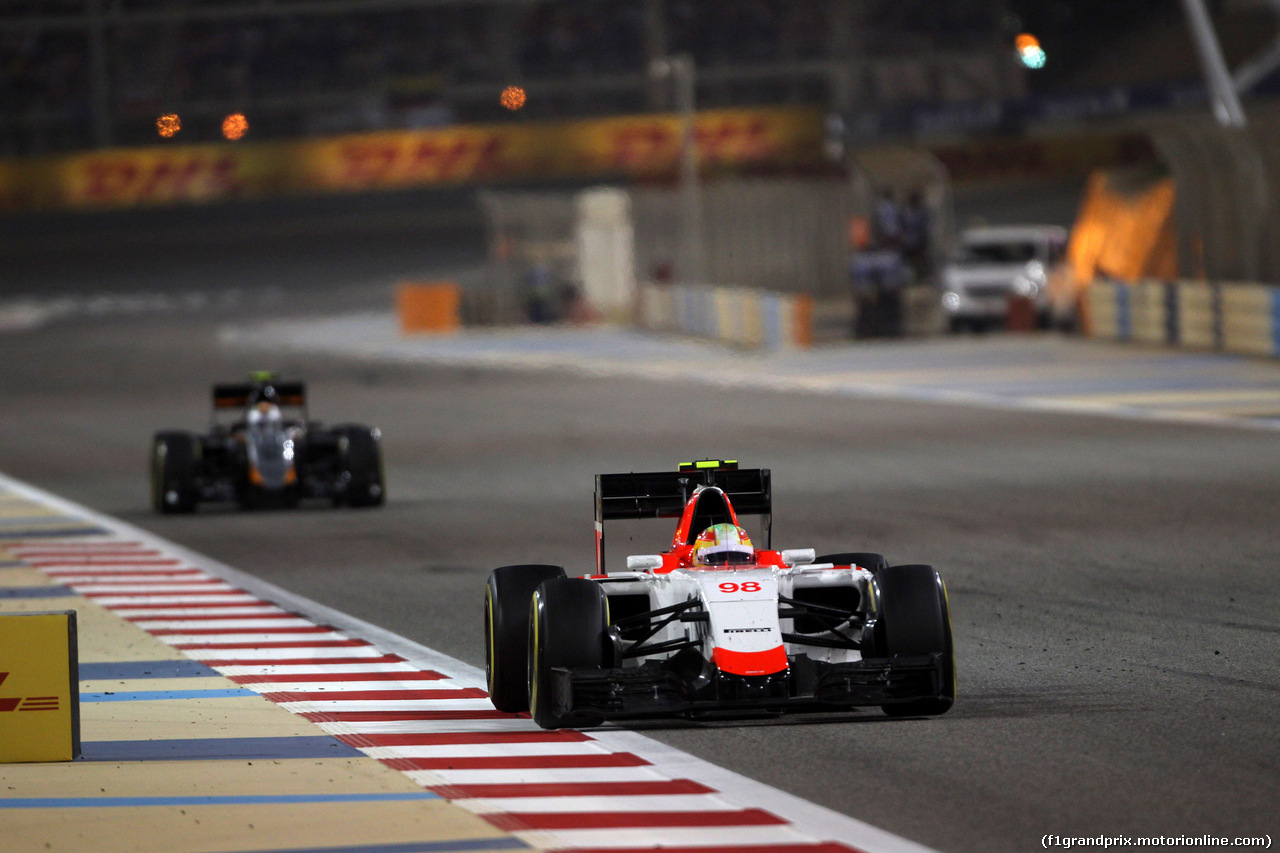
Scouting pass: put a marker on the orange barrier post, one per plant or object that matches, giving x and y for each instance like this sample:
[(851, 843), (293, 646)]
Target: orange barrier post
[(429, 306), (1020, 315), (803, 320)]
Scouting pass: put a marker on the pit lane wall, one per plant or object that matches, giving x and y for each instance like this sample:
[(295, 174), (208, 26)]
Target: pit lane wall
[(644, 146), (1222, 316)]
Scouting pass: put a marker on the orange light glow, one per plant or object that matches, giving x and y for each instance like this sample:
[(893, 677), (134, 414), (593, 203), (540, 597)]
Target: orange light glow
[(235, 126), (1026, 41), (168, 125), (513, 97)]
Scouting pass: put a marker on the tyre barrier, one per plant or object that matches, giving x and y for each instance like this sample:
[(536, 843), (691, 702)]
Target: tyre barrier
[(747, 318), (1225, 316), (755, 319)]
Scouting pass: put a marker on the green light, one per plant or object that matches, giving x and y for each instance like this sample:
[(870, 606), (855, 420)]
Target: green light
[(708, 464)]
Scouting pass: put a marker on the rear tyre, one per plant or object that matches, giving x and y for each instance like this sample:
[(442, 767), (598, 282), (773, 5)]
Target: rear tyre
[(175, 460), (866, 559), (506, 632), (567, 622), (914, 619), (360, 470)]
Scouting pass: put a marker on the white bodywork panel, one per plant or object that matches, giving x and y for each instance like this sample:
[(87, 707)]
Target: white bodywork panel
[(741, 620)]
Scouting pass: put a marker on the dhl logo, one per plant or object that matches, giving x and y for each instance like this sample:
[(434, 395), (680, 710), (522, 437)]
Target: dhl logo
[(27, 703), (656, 145), (124, 179), (448, 159)]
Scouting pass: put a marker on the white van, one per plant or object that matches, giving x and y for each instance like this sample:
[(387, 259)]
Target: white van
[(996, 262)]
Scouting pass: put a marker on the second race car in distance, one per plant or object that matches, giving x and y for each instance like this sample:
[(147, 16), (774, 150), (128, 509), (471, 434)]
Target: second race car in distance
[(262, 449), (714, 624)]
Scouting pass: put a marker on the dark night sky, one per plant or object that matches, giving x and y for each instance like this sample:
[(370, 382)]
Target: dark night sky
[(1076, 32)]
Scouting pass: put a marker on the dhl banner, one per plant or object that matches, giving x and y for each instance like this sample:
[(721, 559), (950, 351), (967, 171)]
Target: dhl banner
[(631, 146), (39, 687), (164, 175)]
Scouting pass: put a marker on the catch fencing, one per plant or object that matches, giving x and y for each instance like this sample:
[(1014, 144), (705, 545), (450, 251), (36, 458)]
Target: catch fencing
[(777, 234), (785, 236), (1228, 205)]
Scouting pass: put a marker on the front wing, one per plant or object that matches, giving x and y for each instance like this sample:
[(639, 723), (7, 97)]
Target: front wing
[(658, 688)]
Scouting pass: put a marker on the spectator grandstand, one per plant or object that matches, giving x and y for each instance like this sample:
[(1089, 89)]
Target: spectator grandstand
[(80, 74)]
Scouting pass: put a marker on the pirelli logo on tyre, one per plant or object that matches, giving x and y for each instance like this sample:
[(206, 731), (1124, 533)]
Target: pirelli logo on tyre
[(39, 687)]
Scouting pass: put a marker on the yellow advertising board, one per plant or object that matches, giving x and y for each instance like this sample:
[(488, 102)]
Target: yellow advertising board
[(166, 175), (634, 146), (39, 687), (638, 146)]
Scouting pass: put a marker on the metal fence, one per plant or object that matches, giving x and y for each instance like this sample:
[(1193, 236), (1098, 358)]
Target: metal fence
[(780, 235), (786, 235), (1228, 202), (531, 246)]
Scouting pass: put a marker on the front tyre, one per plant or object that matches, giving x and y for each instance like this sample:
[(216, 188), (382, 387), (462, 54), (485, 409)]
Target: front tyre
[(175, 461), (914, 619), (360, 469), (506, 632), (567, 622)]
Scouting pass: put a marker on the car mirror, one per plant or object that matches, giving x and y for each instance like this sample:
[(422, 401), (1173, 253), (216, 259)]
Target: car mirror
[(797, 556), (644, 562)]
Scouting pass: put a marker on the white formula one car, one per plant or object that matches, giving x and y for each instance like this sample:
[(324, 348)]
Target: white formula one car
[(714, 624)]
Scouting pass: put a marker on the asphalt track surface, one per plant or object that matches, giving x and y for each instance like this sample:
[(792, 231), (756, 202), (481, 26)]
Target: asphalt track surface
[(1111, 582)]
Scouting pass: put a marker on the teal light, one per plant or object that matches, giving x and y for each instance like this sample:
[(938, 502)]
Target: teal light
[(1032, 57)]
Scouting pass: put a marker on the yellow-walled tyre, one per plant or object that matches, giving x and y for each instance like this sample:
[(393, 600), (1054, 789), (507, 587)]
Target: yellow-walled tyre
[(567, 622), (506, 632)]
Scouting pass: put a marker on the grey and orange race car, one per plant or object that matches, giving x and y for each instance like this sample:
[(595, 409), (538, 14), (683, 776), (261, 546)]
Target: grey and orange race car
[(714, 623), (263, 450)]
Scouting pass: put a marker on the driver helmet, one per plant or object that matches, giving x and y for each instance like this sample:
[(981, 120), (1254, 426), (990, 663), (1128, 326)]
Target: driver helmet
[(722, 545), (264, 413)]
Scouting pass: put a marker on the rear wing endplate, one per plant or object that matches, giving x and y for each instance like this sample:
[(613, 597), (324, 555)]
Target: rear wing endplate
[(663, 494)]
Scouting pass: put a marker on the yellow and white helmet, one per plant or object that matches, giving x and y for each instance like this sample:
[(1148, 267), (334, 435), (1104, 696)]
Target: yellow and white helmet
[(722, 545)]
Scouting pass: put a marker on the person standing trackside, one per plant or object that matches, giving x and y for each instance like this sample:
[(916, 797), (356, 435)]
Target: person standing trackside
[(888, 222), (877, 273), (915, 236)]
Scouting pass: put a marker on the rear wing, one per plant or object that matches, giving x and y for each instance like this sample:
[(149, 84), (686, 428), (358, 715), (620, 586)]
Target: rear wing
[(663, 494), (239, 395)]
